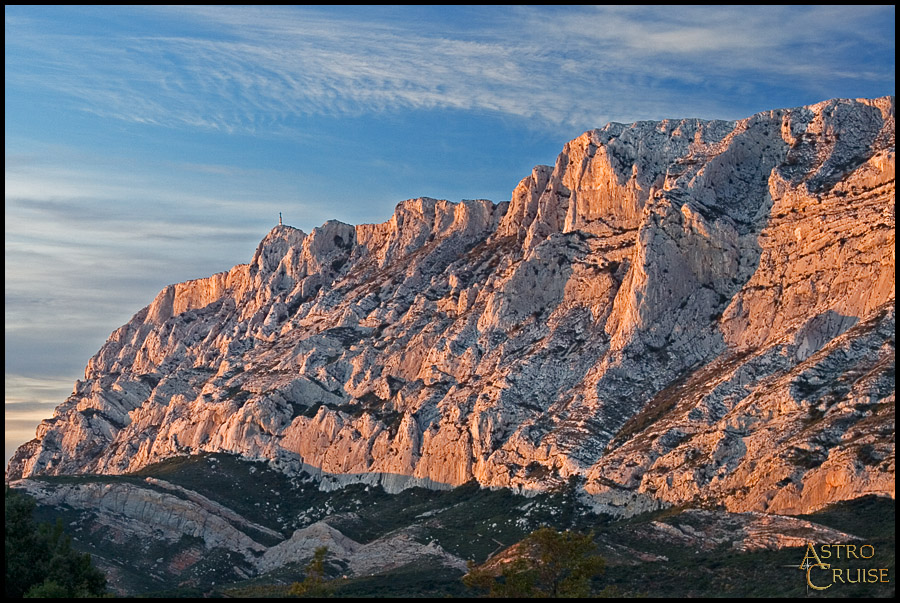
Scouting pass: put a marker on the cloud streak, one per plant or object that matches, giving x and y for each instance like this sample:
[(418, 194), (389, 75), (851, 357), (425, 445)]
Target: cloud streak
[(256, 69), (28, 400)]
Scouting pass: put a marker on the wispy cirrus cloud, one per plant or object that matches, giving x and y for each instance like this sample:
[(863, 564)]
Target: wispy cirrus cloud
[(248, 68)]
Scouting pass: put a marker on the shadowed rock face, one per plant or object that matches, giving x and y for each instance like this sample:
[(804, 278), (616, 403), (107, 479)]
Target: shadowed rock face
[(676, 311)]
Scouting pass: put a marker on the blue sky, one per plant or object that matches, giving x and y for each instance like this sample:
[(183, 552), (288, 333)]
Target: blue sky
[(150, 145)]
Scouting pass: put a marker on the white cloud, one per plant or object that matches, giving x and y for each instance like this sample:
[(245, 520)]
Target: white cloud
[(252, 68)]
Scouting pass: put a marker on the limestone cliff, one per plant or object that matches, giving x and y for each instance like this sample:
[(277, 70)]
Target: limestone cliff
[(677, 311)]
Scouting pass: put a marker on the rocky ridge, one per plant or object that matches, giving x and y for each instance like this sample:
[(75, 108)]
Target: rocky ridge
[(677, 312), (161, 512)]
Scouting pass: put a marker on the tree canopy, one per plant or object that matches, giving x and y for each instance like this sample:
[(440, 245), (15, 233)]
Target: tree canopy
[(547, 563), (40, 561), (315, 583)]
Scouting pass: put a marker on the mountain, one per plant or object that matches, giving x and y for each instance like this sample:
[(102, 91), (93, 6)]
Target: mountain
[(678, 312)]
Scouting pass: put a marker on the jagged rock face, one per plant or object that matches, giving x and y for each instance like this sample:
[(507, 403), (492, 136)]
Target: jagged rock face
[(676, 311)]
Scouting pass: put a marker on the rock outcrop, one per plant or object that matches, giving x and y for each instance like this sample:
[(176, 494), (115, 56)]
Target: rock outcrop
[(129, 523), (677, 311)]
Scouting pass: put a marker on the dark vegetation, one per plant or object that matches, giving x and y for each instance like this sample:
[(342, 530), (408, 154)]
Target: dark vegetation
[(726, 572), (315, 584), (40, 560), (546, 564)]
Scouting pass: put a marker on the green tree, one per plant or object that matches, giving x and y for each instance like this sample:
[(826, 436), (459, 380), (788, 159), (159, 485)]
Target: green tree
[(22, 551), (40, 561), (315, 584), (548, 564)]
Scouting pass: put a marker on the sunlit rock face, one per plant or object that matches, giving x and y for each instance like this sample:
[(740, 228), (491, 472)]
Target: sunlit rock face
[(677, 311)]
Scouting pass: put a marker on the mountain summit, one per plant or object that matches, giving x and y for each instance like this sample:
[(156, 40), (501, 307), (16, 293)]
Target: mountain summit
[(678, 311)]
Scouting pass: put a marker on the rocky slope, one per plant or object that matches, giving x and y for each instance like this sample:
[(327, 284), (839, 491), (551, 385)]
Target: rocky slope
[(167, 531), (682, 311), (218, 525)]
